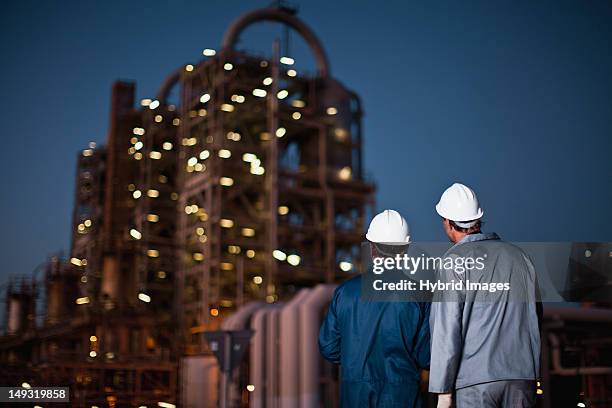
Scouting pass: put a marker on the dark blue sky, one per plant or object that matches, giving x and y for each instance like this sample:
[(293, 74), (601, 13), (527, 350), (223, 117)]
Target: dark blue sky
[(512, 98)]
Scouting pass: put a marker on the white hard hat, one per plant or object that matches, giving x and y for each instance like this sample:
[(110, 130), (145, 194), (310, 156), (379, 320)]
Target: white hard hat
[(460, 204), (388, 227)]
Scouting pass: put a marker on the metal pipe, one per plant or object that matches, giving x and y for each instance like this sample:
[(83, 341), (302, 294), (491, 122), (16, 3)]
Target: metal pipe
[(558, 368), (310, 319), (289, 351)]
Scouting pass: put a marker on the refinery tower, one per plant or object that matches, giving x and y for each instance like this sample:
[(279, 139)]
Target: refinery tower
[(249, 188)]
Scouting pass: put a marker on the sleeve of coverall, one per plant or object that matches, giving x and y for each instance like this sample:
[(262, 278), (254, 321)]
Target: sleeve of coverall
[(423, 340), (446, 341), (329, 335)]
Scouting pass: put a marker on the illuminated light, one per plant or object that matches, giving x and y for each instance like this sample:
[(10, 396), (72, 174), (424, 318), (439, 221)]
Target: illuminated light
[(331, 110), (110, 355), (161, 275), (158, 118), (92, 145), (145, 102), (176, 121), (198, 256), (267, 81), (153, 193), (155, 155), (84, 279), (345, 266), (250, 388), (138, 145), (163, 404), (192, 161), (167, 146), (138, 156), (209, 52), (248, 232), (296, 115), (191, 209), (134, 233), (189, 141), (282, 94), (225, 154), (152, 253), (93, 338), (297, 103), (345, 173), (200, 231), (226, 181), (291, 72), (76, 261), (82, 300), (238, 98), (25, 385), (152, 217), (83, 261), (92, 354), (81, 227), (205, 98), (587, 253), (214, 312), (280, 132), (203, 239), (294, 260), (250, 253), (204, 154), (264, 136), (154, 104), (174, 196), (258, 171), (233, 249), (261, 93), (193, 113), (278, 254), (138, 131), (87, 152), (202, 112), (199, 167), (226, 266), (137, 194), (134, 140), (263, 64), (228, 66), (233, 136), (87, 223), (287, 60), (257, 280), (188, 67), (341, 134), (283, 210), (226, 107), (226, 223), (270, 298), (539, 391), (581, 405), (144, 297), (249, 157)]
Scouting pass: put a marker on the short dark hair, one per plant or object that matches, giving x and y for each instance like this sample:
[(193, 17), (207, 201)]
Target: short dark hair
[(473, 228), (390, 250)]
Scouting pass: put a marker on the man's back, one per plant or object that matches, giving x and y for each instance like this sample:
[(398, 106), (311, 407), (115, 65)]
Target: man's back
[(487, 336), (381, 347)]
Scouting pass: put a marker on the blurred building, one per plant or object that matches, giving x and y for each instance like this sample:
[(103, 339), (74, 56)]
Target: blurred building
[(248, 188)]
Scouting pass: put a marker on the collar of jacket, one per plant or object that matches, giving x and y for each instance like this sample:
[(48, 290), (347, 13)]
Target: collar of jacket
[(479, 236)]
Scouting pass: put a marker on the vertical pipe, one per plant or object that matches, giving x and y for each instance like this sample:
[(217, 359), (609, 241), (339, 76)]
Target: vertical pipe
[(272, 171)]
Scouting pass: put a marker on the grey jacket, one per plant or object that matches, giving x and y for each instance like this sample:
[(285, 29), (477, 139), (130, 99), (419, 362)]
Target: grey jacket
[(480, 336)]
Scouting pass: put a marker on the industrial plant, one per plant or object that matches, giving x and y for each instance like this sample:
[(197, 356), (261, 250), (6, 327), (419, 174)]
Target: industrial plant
[(238, 208)]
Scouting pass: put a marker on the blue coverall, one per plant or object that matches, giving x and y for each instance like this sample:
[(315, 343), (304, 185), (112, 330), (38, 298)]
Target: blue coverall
[(380, 346)]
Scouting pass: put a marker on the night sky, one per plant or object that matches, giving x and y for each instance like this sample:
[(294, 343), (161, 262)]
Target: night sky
[(511, 98)]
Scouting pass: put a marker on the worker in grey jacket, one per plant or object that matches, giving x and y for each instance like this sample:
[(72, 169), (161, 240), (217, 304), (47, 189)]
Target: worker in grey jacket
[(485, 337)]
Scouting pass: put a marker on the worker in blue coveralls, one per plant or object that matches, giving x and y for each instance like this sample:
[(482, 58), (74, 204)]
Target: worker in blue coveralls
[(485, 348), (381, 346)]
